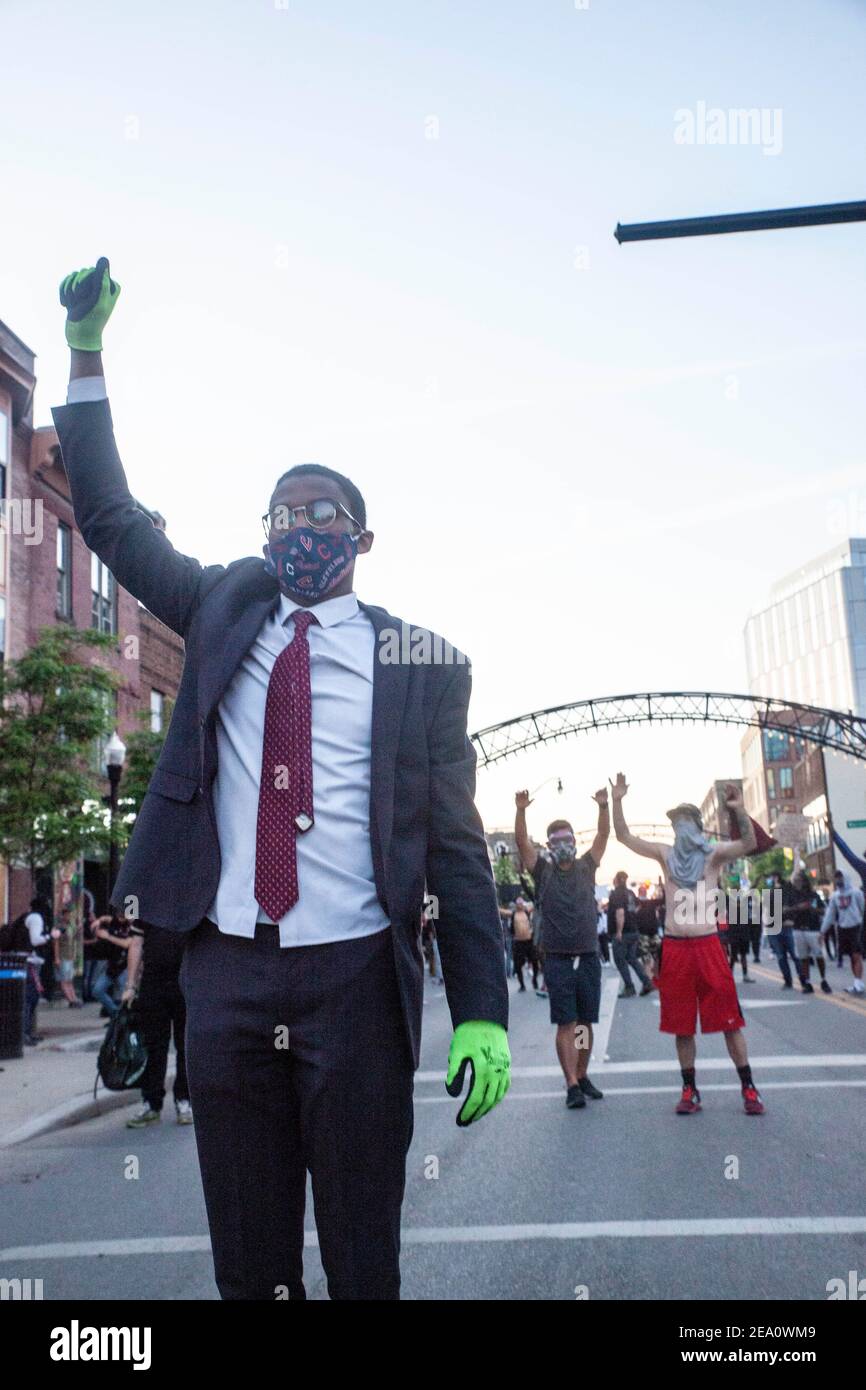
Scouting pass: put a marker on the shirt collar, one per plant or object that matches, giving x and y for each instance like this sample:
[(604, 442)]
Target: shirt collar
[(329, 612)]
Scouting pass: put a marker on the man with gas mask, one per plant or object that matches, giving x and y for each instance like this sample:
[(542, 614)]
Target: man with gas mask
[(308, 789), (695, 975), (565, 895)]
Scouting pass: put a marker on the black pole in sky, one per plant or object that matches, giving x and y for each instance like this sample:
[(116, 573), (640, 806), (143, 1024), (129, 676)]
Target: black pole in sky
[(816, 216)]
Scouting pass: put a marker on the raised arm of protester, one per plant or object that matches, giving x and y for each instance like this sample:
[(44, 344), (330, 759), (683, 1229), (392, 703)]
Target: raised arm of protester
[(726, 850), (619, 789), (114, 526), (528, 852), (602, 834)]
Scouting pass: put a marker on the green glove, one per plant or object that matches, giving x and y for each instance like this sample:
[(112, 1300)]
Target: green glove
[(88, 296), (485, 1046)]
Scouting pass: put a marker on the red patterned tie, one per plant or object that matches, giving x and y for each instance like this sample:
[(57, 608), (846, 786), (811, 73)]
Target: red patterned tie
[(286, 788)]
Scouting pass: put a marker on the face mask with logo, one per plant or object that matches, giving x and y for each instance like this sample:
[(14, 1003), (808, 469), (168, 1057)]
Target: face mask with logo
[(563, 853), (308, 563)]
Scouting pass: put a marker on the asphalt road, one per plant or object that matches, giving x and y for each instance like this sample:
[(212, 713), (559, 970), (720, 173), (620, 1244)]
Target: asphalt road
[(622, 1200)]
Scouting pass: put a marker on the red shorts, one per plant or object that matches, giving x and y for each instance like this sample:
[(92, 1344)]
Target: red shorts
[(695, 972)]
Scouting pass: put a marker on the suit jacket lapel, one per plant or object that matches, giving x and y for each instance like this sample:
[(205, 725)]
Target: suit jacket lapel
[(390, 688), (223, 655)]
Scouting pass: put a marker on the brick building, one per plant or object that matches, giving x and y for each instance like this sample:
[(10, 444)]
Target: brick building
[(714, 812), (49, 577)]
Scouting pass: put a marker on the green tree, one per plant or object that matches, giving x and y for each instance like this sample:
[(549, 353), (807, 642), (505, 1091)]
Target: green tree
[(53, 705), (772, 861)]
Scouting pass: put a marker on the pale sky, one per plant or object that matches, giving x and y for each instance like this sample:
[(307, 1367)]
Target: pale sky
[(584, 463)]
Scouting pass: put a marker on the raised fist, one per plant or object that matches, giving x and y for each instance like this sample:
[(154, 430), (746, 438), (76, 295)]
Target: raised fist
[(88, 296)]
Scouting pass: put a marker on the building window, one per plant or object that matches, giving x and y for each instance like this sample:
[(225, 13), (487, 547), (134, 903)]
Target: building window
[(64, 570), (786, 781), (157, 700), (771, 784), (775, 746), (103, 608)]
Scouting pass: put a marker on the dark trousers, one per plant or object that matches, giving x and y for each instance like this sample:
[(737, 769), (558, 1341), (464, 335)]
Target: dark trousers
[(755, 930), (626, 952), (160, 1010), (782, 946), (299, 1061), (524, 953)]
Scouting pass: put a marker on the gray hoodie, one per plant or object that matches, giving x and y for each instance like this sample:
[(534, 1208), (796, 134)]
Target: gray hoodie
[(845, 908)]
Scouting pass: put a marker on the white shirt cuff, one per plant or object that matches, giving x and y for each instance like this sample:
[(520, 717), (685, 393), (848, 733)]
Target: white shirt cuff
[(86, 388)]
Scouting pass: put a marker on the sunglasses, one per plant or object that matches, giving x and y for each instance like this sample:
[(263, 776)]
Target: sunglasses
[(319, 515)]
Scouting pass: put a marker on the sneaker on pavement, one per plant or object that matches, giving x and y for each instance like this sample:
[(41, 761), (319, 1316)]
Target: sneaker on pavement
[(647, 989), (808, 988), (690, 1101), (589, 1090), (752, 1103), (144, 1115), (184, 1112), (626, 993), (574, 1098), (856, 988), (826, 987)]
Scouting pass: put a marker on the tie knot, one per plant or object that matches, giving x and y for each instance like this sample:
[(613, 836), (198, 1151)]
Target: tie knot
[(303, 618)]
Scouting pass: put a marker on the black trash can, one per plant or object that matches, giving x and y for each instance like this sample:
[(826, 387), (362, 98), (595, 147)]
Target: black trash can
[(13, 982)]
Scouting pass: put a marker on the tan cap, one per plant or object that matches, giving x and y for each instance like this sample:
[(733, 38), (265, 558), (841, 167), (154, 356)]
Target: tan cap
[(686, 808)]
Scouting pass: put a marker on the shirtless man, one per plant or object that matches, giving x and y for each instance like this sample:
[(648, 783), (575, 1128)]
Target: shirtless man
[(695, 973)]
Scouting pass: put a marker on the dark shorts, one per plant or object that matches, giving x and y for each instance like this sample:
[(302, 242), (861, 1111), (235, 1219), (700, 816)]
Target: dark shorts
[(849, 941), (575, 994)]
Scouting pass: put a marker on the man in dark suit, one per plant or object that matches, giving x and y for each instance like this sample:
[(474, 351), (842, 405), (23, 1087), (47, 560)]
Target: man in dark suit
[(315, 778)]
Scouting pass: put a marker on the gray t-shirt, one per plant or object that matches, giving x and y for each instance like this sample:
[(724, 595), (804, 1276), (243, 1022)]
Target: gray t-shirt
[(568, 906)]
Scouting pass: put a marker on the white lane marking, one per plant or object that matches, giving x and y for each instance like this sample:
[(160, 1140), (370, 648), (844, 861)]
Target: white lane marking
[(843, 1059), (762, 1003), (661, 1090), (139, 1245), (601, 1030), (451, 1235)]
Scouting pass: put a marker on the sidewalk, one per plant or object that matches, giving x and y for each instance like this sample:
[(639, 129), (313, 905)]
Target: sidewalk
[(52, 1084)]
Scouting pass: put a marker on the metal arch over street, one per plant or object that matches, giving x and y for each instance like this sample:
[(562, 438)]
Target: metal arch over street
[(828, 728)]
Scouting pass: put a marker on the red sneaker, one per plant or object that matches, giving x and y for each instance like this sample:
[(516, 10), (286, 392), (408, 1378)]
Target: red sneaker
[(690, 1101), (752, 1103)]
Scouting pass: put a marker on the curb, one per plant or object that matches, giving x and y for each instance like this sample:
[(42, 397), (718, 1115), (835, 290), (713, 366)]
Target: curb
[(72, 1112)]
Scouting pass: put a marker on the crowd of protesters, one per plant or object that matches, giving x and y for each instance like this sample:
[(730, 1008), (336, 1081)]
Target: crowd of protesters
[(815, 926)]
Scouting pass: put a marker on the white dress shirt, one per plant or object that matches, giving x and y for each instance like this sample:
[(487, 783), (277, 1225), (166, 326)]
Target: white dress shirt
[(337, 892)]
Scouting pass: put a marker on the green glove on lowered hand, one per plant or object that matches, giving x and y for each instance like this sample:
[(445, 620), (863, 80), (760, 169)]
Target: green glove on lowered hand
[(485, 1046), (88, 296)]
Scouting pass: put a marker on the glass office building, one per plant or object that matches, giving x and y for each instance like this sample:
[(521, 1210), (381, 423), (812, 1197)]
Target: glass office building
[(809, 643)]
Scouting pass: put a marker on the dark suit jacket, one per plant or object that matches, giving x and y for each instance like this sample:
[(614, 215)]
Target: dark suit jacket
[(423, 823)]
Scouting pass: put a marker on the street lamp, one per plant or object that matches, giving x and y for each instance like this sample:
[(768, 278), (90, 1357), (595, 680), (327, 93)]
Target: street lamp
[(557, 780), (115, 753)]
